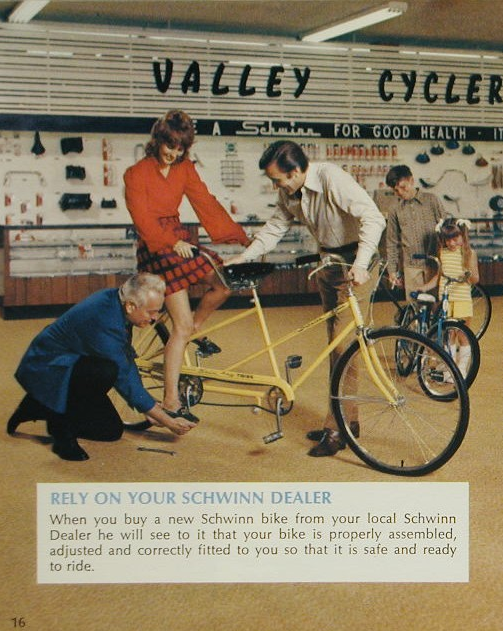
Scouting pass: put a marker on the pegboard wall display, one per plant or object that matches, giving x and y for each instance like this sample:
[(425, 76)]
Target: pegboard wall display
[(54, 178)]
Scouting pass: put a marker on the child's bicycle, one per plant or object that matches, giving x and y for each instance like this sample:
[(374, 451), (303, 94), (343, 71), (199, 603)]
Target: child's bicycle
[(482, 306), (407, 424), (428, 318)]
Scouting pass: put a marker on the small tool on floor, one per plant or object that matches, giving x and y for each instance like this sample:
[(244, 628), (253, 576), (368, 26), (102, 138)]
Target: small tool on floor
[(157, 450)]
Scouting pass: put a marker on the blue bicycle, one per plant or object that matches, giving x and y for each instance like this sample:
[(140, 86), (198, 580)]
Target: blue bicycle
[(425, 317)]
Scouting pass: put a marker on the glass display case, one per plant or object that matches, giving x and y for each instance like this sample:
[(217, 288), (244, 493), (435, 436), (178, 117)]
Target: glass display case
[(486, 238), (70, 251), (60, 265)]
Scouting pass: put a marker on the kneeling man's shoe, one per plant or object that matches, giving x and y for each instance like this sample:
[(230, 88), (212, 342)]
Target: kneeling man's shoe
[(69, 449)]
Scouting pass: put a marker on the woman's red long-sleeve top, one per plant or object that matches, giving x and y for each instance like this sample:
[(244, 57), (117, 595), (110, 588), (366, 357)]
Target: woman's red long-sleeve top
[(150, 197)]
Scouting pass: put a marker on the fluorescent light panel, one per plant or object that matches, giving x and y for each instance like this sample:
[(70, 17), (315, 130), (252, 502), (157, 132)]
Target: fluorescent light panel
[(356, 22), (26, 10)]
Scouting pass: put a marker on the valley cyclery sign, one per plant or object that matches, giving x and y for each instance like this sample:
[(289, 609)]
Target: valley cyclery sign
[(279, 80), (345, 130)]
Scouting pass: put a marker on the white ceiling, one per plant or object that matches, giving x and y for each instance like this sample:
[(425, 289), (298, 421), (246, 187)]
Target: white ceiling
[(440, 23)]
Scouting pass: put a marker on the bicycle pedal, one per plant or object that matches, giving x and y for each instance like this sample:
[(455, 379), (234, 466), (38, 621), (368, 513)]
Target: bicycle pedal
[(202, 354), (270, 438)]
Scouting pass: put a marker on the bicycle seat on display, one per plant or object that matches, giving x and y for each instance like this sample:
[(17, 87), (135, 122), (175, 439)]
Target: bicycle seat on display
[(245, 275)]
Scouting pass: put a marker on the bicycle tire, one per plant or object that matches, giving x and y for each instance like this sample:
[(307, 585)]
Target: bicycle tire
[(408, 314), (455, 328), (421, 432), (482, 310), (406, 352)]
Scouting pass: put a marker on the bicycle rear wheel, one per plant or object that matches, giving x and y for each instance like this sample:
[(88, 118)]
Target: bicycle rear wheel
[(422, 429), (482, 311)]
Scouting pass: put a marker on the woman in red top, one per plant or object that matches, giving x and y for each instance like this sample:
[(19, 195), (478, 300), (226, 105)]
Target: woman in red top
[(155, 187)]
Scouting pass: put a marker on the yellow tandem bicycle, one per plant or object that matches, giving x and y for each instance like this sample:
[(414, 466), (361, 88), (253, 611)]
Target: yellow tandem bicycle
[(409, 423)]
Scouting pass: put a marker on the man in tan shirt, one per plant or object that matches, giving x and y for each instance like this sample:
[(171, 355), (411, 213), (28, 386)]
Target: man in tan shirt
[(410, 230), (340, 216)]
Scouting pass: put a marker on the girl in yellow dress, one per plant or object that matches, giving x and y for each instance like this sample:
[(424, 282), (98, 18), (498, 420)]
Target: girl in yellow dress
[(457, 259)]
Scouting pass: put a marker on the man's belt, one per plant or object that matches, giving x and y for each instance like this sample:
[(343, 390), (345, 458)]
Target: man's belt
[(343, 249)]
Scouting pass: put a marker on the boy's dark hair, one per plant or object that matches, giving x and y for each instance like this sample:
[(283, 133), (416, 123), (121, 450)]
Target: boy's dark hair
[(286, 154), (397, 173)]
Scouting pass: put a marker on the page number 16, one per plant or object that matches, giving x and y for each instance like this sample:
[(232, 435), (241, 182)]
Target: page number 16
[(18, 623)]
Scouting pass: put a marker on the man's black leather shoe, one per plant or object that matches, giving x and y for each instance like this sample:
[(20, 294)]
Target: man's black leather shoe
[(69, 449), (28, 410), (317, 434), (329, 445)]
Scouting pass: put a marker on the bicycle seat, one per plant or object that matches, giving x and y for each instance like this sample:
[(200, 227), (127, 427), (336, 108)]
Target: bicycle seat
[(422, 297), (244, 275)]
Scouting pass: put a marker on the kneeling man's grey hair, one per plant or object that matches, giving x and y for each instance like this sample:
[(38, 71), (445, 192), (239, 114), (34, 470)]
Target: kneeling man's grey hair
[(138, 288)]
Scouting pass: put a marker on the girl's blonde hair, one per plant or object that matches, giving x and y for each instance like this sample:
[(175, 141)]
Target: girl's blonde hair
[(449, 229)]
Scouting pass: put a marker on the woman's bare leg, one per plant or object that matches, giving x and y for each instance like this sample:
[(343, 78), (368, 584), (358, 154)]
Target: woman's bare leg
[(184, 325), (216, 295), (178, 307)]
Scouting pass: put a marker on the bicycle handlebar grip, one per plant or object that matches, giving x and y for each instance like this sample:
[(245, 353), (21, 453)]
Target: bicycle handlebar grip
[(414, 294)]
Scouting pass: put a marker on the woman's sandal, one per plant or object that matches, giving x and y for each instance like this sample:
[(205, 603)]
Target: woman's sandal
[(206, 347), (141, 426)]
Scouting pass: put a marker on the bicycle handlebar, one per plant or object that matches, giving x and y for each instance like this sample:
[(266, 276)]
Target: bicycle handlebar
[(327, 261)]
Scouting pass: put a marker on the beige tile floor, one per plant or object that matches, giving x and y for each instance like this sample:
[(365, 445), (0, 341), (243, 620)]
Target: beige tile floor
[(227, 446)]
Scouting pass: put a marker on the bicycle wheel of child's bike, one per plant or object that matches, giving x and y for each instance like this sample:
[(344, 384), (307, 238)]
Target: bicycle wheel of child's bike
[(453, 336), (407, 429), (482, 311), (406, 351)]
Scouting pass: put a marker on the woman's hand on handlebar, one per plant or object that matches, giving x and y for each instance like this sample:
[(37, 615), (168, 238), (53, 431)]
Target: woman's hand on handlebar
[(184, 249)]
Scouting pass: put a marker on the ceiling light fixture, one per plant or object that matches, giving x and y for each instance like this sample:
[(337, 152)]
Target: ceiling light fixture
[(26, 10), (356, 22)]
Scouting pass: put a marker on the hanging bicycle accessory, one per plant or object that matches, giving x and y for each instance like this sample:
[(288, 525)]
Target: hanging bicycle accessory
[(75, 173), (75, 201), (72, 145)]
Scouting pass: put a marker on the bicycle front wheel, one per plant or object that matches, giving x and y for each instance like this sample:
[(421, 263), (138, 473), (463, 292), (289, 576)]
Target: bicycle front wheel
[(458, 340), (415, 433)]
